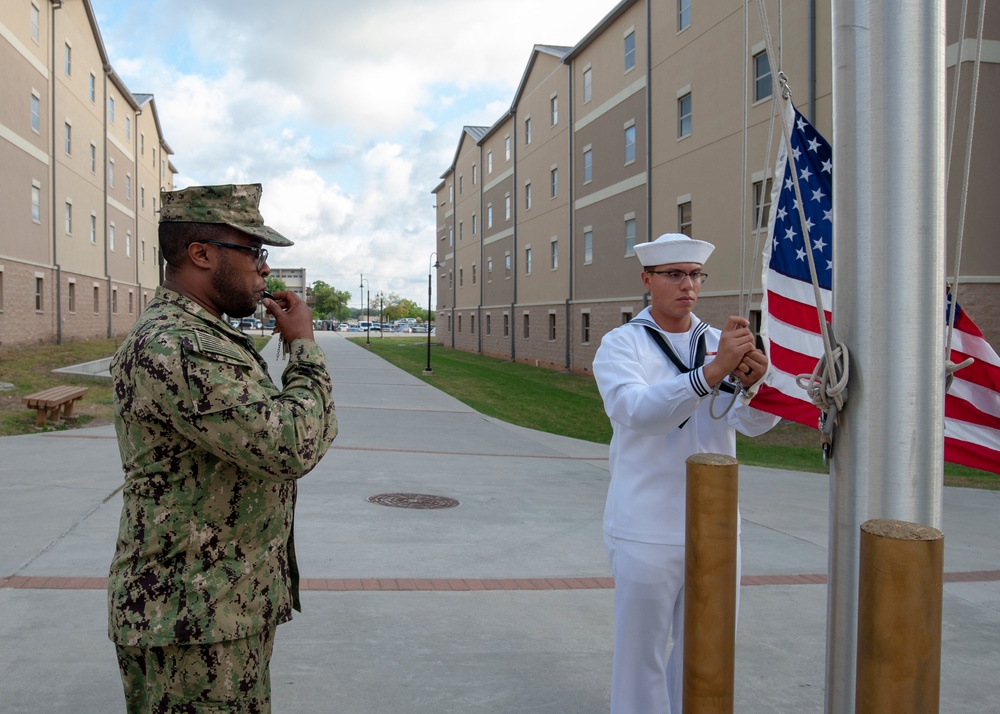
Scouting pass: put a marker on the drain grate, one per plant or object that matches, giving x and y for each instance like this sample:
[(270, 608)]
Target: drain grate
[(412, 500)]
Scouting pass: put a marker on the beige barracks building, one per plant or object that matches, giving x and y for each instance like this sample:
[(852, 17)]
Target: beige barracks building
[(636, 131), (82, 163)]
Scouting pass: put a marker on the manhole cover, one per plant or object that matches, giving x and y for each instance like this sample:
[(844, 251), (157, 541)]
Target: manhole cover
[(412, 500)]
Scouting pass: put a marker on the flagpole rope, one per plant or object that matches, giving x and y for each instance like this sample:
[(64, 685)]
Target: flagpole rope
[(746, 292), (974, 93), (827, 385)]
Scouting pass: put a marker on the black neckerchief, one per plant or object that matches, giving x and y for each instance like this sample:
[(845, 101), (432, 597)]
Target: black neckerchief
[(699, 359)]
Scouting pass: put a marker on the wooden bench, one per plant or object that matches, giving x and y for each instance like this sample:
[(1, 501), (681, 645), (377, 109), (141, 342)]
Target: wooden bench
[(49, 402)]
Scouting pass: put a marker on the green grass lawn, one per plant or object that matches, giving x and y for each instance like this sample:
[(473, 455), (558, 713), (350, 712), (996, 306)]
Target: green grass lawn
[(570, 405)]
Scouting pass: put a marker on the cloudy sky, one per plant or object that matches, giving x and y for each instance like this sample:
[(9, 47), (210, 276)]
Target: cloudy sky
[(347, 112)]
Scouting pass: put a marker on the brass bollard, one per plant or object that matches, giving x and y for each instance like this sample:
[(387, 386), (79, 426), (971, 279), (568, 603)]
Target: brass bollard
[(899, 618), (710, 584)]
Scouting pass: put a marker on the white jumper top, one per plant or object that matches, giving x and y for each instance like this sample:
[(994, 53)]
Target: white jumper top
[(648, 399)]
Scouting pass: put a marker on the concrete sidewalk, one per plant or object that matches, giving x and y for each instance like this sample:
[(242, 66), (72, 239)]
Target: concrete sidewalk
[(500, 604)]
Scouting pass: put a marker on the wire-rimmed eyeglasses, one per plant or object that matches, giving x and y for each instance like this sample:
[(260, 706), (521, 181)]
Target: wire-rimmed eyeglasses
[(677, 276), (259, 253)]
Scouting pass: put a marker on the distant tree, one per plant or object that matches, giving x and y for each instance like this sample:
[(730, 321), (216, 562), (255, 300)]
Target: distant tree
[(331, 304), (275, 285)]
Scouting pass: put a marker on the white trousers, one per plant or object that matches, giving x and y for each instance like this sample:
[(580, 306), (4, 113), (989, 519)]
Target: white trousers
[(649, 613)]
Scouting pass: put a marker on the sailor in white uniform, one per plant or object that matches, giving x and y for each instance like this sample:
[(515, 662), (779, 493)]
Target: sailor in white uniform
[(655, 375)]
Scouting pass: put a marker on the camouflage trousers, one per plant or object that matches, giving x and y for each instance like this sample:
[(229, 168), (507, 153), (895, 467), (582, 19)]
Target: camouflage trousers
[(220, 678)]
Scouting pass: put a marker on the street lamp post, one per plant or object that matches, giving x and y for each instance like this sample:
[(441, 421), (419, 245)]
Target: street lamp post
[(381, 305), (436, 264), (368, 332)]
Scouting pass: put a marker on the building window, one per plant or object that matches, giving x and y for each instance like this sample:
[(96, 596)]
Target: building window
[(506, 207), (555, 253), (111, 236), (128, 186), (72, 297), (588, 247), (93, 158), (459, 323), (473, 273), (474, 174), (451, 236), (629, 236), (555, 182), (114, 301), (587, 86), (684, 218), (489, 324), (629, 51), (68, 138), (97, 300), (39, 291), (683, 14), (36, 203), (461, 231), (111, 173), (506, 325), (506, 148), (585, 328), (69, 218), (527, 261), (128, 243), (451, 193), (93, 88), (142, 144), (128, 128), (527, 131), (461, 185), (626, 318), (472, 324), (527, 196), (506, 265), (111, 109), (761, 77), (68, 60), (131, 302), (93, 228), (35, 19), (36, 120), (489, 161), (761, 203), (684, 116), (461, 280), (630, 144), (142, 197), (489, 269), (588, 166), (474, 224), (489, 216), (527, 326), (552, 327), (554, 110)]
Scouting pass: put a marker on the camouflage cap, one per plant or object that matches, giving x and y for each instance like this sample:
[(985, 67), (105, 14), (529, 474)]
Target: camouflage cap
[(233, 204)]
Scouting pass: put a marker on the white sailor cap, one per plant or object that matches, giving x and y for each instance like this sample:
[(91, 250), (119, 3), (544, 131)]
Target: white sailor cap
[(673, 248)]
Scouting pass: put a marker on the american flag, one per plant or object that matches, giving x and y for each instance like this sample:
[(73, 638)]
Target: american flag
[(790, 326)]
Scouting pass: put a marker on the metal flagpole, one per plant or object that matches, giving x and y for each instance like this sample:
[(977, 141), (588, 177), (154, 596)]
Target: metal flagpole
[(888, 290)]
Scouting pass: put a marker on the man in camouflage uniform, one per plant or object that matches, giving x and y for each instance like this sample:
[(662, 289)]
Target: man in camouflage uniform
[(204, 568)]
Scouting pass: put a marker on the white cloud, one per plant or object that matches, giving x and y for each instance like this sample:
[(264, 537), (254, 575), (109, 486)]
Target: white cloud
[(347, 112)]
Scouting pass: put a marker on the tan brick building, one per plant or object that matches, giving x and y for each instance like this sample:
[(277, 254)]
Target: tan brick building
[(635, 131), (82, 163)]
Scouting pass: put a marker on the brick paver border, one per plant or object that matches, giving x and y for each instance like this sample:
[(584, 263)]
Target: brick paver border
[(21, 582)]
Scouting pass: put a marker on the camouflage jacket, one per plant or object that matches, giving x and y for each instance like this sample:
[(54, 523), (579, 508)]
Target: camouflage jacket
[(211, 450)]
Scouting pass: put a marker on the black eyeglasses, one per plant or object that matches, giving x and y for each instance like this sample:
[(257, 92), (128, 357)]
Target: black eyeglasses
[(677, 276), (259, 253)]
